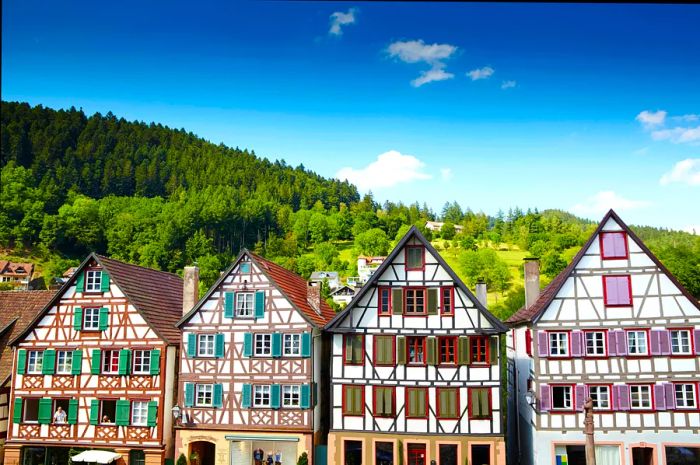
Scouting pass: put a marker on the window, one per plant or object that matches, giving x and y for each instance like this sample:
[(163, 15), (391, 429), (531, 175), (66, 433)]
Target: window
[(35, 361), (481, 454), (448, 454), (384, 301), (93, 281), (685, 396), (600, 396), (414, 257), (384, 350), (637, 343), (31, 410), (64, 362), (383, 453), (261, 395), (108, 411), (417, 401), (291, 396), (91, 319), (415, 301), (139, 413), (352, 452), (480, 407), (595, 343), (204, 395), (448, 403), (205, 345), (562, 397), (640, 396), (447, 295), (384, 401), (291, 344), (353, 400), (613, 245), (448, 350), (110, 362), (244, 268), (137, 457), (245, 303), (60, 418), (354, 349), (680, 342), (559, 344), (262, 345), (617, 291), (415, 347), (681, 455), (479, 349), (142, 362)]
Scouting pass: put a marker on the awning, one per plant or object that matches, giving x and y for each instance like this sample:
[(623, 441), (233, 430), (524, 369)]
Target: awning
[(96, 456)]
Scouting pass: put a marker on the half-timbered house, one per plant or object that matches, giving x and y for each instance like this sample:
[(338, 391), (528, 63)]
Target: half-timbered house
[(617, 327), (415, 372), (252, 368), (96, 368)]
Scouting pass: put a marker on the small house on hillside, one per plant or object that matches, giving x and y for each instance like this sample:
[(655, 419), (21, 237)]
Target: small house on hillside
[(18, 275)]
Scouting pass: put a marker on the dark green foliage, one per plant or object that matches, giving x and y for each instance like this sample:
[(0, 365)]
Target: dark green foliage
[(372, 242), (485, 264), (182, 460), (303, 459)]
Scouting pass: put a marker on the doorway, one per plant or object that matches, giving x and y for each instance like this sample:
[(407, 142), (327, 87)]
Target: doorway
[(202, 453), (642, 456), (416, 454)]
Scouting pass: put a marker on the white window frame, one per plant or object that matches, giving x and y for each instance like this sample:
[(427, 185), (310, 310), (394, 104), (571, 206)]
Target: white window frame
[(245, 304), (291, 396), (598, 393), (142, 362), (686, 396), (643, 391), (110, 354), (64, 362), (206, 345), (569, 397), (683, 344), (555, 342), (291, 345), (93, 281), (91, 319), (261, 392), (598, 344), (35, 362), (139, 413), (262, 344), (634, 334), (204, 395)]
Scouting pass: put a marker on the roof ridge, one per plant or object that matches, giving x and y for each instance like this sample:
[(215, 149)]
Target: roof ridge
[(151, 270)]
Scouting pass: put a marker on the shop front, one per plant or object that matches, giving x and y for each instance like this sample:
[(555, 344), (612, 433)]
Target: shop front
[(259, 451)]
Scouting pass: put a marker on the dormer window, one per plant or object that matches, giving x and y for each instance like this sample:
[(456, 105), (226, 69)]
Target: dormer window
[(415, 257), (93, 281), (613, 246)]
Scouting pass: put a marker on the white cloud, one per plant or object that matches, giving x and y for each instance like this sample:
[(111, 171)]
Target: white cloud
[(680, 133), (687, 118), (693, 229), (433, 74), (677, 135), (340, 19), (390, 168), (508, 84), (652, 118), (684, 172), (446, 174), (600, 203), (417, 51), (481, 73)]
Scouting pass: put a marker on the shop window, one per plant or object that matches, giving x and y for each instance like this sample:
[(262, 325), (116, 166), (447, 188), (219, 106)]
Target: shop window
[(352, 453), (137, 457), (481, 454), (384, 453), (416, 454), (448, 454), (682, 455)]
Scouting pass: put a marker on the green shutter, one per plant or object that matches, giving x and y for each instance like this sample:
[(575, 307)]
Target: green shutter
[(229, 298), (78, 318), (348, 348), (248, 344), (191, 345), (462, 350), (401, 350), (420, 403), (189, 394), (72, 411), (245, 396), (431, 346), (104, 284), (275, 396), (45, 411), (218, 397), (95, 363), (306, 345), (432, 301), (123, 410), (94, 411), (152, 413), (260, 304), (77, 362), (155, 362), (17, 410), (219, 345), (358, 401), (469, 350), (124, 362), (379, 401), (104, 318), (476, 403), (493, 350), (276, 348), (21, 361), (48, 366), (358, 349), (388, 401), (305, 400), (397, 301), (80, 282)]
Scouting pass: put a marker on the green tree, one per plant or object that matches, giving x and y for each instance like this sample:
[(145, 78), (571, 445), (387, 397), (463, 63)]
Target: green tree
[(447, 231), (372, 242)]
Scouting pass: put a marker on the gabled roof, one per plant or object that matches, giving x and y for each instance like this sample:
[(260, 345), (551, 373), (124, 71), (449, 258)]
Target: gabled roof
[(16, 268), (533, 313), (318, 275), (290, 284), (414, 232), (343, 287), (156, 295), (17, 310)]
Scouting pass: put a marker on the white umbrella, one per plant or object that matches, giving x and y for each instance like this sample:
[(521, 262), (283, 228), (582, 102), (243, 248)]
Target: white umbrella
[(96, 456)]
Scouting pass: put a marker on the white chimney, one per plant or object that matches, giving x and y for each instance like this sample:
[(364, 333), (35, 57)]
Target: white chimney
[(532, 281), (481, 292), (190, 288), (313, 296)]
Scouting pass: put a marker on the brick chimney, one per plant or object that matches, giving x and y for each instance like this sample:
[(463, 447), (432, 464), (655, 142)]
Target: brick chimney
[(481, 292), (190, 288), (532, 281), (313, 296)]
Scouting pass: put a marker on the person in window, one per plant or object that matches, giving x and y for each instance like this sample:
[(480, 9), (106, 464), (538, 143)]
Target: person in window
[(60, 416), (105, 419)]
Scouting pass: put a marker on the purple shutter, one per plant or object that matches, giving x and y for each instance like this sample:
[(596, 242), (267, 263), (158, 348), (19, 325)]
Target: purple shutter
[(576, 343), (623, 396), (608, 245), (619, 240), (670, 391), (545, 398), (697, 341), (660, 396), (656, 341), (621, 342), (612, 343), (542, 344), (580, 396), (665, 342)]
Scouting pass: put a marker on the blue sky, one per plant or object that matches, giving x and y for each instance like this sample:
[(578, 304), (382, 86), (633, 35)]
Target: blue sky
[(578, 107)]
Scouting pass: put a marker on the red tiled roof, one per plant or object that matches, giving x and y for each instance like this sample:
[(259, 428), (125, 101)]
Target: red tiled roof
[(11, 268), (17, 310)]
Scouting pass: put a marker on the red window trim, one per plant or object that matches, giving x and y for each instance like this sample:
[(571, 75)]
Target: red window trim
[(422, 267), (648, 354), (629, 290), (605, 344), (528, 341), (652, 396), (573, 398), (427, 404), (691, 339), (568, 343), (457, 403), (393, 351), (345, 348), (344, 407), (425, 301), (696, 388), (487, 349), (469, 403), (610, 396), (602, 250), (408, 351), (453, 340), (380, 301), (393, 401), (451, 290)]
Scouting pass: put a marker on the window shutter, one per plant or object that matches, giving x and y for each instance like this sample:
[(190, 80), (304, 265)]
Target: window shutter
[(191, 345), (78, 318), (306, 345), (401, 350), (469, 350), (95, 362), (123, 410), (104, 283), (542, 344), (621, 342), (248, 344), (476, 402), (660, 396), (17, 410), (275, 396), (245, 396), (545, 398), (378, 401), (580, 396), (260, 304), (660, 342), (397, 301), (124, 361), (21, 361), (697, 341), (612, 343), (80, 282), (623, 396), (229, 298), (218, 399), (432, 301), (77, 362), (431, 347), (493, 350), (48, 367), (219, 345), (155, 362), (94, 411), (72, 411), (104, 318), (189, 394), (276, 347), (671, 396), (576, 343), (463, 350), (152, 413), (305, 398)]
